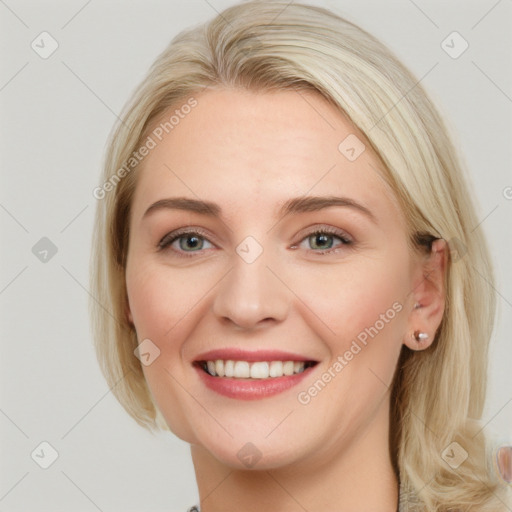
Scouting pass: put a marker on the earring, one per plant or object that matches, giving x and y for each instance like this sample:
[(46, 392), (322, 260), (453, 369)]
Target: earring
[(417, 305), (420, 336)]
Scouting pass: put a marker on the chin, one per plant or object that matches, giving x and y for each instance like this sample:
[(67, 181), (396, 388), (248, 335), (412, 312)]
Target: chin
[(255, 456)]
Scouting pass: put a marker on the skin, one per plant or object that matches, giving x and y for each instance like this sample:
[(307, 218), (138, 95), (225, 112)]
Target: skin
[(250, 152)]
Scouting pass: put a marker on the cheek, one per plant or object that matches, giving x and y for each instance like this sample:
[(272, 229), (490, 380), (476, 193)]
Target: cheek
[(363, 306), (164, 305), (362, 301), (161, 298)]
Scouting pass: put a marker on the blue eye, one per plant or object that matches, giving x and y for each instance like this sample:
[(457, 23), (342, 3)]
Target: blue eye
[(190, 243), (187, 242), (323, 240)]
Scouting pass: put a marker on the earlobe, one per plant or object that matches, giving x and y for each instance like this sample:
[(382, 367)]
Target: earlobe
[(418, 340), (430, 297)]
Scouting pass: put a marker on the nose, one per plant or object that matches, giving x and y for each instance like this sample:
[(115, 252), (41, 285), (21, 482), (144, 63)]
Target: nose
[(251, 296)]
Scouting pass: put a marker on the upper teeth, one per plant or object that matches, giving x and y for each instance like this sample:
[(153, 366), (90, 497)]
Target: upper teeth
[(257, 370)]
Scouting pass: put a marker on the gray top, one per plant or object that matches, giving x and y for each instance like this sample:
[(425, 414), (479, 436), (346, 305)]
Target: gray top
[(408, 502)]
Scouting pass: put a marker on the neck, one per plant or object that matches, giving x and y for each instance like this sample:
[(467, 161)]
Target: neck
[(358, 477)]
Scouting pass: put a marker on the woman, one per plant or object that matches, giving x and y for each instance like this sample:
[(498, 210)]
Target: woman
[(287, 244)]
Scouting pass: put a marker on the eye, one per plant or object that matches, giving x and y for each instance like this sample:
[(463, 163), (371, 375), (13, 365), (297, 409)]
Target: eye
[(191, 241), (326, 240), (322, 240)]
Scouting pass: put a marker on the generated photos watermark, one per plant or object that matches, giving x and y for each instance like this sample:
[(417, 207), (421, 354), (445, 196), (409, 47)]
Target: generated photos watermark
[(361, 341), (151, 142)]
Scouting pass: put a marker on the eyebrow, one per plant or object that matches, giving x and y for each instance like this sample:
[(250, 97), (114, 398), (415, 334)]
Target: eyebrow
[(295, 205)]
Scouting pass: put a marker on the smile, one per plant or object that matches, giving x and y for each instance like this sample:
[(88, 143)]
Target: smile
[(254, 370), (246, 375)]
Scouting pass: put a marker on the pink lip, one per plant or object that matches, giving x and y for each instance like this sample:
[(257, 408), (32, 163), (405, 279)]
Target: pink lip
[(236, 354), (251, 389)]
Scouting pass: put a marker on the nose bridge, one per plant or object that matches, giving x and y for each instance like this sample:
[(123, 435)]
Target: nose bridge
[(250, 293)]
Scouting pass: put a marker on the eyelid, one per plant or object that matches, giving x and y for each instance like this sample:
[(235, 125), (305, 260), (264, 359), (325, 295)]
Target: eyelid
[(324, 228), (347, 241), (166, 241), (169, 238)]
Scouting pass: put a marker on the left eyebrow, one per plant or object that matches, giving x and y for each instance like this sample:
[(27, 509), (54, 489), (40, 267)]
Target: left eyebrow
[(315, 203)]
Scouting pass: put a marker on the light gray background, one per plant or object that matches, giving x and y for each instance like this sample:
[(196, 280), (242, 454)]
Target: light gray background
[(55, 116)]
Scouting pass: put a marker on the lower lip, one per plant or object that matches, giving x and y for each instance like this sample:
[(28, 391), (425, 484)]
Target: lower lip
[(251, 389)]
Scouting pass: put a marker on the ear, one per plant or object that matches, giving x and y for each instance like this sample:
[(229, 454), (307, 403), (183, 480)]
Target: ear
[(429, 297)]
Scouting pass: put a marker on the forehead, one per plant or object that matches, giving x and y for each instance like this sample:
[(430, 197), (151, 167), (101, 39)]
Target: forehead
[(259, 148)]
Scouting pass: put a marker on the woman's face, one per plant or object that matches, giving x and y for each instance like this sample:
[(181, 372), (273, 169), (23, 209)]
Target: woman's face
[(254, 176)]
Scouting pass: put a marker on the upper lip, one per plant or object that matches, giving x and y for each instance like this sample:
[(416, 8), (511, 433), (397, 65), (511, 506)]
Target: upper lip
[(238, 354)]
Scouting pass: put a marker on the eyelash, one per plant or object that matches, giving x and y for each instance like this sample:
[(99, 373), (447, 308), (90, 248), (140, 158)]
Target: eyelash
[(170, 238)]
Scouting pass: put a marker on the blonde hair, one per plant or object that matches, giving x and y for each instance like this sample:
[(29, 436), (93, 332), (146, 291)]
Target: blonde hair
[(438, 394)]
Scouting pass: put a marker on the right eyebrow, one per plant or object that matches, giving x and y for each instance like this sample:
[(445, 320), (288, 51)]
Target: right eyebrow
[(186, 204)]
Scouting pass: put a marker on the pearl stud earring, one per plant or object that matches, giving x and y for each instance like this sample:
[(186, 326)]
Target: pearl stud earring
[(420, 336)]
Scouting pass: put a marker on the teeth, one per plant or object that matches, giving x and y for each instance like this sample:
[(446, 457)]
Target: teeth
[(256, 370), (259, 370), (242, 370), (219, 367), (211, 367), (276, 369), (229, 368), (288, 368)]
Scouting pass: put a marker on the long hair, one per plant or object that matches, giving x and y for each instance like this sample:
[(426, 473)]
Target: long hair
[(438, 394)]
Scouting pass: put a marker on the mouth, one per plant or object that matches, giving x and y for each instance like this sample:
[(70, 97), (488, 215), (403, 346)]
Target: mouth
[(253, 370), (251, 375)]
